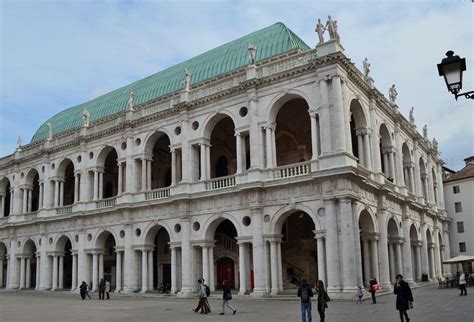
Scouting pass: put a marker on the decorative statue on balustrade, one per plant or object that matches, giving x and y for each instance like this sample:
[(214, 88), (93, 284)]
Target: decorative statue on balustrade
[(331, 27), (425, 131), (50, 131), (412, 116), (86, 118), (366, 67), (131, 95), (392, 93), (252, 52), (19, 143), (187, 79), (435, 144)]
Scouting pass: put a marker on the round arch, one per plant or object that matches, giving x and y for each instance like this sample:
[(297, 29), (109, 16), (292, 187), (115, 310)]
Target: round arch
[(211, 121), (3, 248), (102, 155), (283, 97), (101, 236), (30, 175), (212, 222), (414, 235), (366, 222), (279, 218), (28, 246), (153, 136), (393, 227), (63, 164), (358, 113), (152, 229), (61, 241), (385, 137)]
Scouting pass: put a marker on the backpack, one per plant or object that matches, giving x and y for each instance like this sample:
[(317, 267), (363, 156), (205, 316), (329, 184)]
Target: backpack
[(304, 294), (208, 290)]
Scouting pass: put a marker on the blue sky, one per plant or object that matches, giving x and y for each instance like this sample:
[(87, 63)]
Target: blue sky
[(56, 54)]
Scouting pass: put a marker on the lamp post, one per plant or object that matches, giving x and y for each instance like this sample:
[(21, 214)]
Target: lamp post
[(451, 68)]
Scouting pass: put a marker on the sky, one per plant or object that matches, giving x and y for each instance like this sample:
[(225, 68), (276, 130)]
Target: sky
[(57, 54)]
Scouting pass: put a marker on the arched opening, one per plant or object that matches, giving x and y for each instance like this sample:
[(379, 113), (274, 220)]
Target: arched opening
[(394, 249), (386, 153), (32, 189), (110, 180), (298, 250), (106, 260), (223, 148), (293, 133), (64, 246), (226, 253), (158, 147), (3, 265), (161, 262), (66, 185), (359, 134), (407, 168), (5, 197), (368, 246), (415, 253), (29, 262)]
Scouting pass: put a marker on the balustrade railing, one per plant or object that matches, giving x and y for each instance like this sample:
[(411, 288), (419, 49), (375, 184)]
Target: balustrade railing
[(109, 202), (292, 170), (157, 194), (220, 183), (64, 210)]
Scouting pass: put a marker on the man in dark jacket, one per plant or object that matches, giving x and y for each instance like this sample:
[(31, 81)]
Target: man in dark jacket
[(101, 289), (404, 297), (305, 293), (83, 290)]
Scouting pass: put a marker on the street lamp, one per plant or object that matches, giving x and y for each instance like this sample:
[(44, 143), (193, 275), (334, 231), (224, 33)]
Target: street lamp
[(451, 69)]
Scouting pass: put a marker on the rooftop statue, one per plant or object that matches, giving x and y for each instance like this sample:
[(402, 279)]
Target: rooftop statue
[(366, 67), (50, 131), (412, 116), (131, 95), (425, 131), (187, 79), (435, 144), (85, 118), (19, 143), (336, 34), (252, 52), (330, 27), (320, 31), (392, 93)]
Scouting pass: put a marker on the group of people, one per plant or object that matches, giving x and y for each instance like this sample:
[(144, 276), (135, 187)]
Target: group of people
[(401, 288), (104, 289), (204, 292)]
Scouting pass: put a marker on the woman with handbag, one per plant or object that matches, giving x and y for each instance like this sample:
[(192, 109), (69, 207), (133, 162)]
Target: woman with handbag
[(226, 297), (322, 298), (404, 297)]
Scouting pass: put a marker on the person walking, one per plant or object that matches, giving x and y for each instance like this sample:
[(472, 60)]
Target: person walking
[(305, 293), (83, 290), (360, 294), (373, 289), (322, 298), (404, 297), (107, 289), (226, 297), (202, 298), (88, 288), (462, 283), (101, 289), (208, 293)]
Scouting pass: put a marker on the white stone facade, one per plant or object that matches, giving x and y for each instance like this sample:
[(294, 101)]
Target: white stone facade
[(310, 136)]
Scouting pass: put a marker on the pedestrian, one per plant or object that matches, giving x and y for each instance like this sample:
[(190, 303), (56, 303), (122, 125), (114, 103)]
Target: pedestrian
[(360, 294), (462, 283), (305, 293), (83, 290), (101, 289), (208, 293), (107, 289), (322, 298), (202, 306), (88, 288), (373, 286), (226, 297), (404, 297)]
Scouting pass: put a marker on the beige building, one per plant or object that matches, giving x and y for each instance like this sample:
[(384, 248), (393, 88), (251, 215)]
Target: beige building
[(459, 200), (261, 162)]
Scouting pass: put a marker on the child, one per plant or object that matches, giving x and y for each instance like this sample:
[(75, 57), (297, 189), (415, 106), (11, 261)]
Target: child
[(360, 294)]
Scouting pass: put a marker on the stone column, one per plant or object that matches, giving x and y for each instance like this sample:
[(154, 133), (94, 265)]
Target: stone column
[(61, 192), (274, 259), (74, 272), (391, 251), (437, 258), (203, 161), (279, 266), (407, 264), (120, 178), (205, 264), (55, 273), (332, 247), (365, 245), (28, 273), (314, 136), (431, 261), (321, 258), (348, 248), (258, 258), (173, 167), (173, 270), (2, 205), (269, 145), (22, 272), (338, 113), (212, 283), (242, 269), (383, 248), (30, 198), (24, 208), (418, 260), (96, 185), (256, 146), (144, 271), (424, 251), (95, 271), (368, 161), (375, 259), (1, 272), (144, 175), (61, 272), (38, 271), (411, 171), (399, 257), (101, 266), (360, 147), (187, 285), (325, 118), (268, 278), (151, 286), (238, 149), (118, 264), (129, 261), (76, 187), (101, 184)]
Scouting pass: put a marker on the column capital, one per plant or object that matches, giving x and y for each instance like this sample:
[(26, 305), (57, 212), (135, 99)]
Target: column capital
[(319, 234), (271, 126), (273, 238), (119, 249), (174, 245), (362, 131)]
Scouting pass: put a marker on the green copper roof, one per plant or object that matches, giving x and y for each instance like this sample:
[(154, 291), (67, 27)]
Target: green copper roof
[(271, 41)]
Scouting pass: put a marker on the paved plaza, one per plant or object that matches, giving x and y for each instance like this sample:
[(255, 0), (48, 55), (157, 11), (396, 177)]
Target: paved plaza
[(431, 304)]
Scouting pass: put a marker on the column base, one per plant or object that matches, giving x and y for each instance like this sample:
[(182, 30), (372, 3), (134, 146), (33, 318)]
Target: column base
[(258, 293), (144, 291), (128, 290)]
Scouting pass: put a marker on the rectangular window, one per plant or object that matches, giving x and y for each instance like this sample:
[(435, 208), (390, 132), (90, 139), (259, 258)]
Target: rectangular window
[(456, 189), (460, 226), (462, 247), (457, 207)]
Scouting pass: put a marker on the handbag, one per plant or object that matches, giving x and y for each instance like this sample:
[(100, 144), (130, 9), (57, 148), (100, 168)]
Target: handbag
[(326, 297), (228, 296)]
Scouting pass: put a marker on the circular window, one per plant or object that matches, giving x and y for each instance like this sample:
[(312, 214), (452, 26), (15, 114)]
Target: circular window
[(19, 243), (76, 238), (246, 220), (196, 226), (50, 240), (123, 146), (177, 130), (138, 232), (42, 169), (321, 212), (122, 234), (138, 141), (195, 125), (177, 228), (89, 237), (79, 158), (53, 166), (266, 218), (243, 111), (91, 155), (22, 175)]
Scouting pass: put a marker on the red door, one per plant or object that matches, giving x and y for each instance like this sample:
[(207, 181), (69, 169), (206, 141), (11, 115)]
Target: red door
[(225, 271)]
